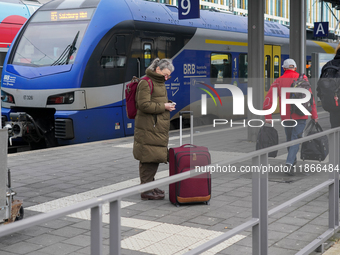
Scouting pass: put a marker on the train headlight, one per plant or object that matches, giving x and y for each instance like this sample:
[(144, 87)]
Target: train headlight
[(66, 98), (6, 97)]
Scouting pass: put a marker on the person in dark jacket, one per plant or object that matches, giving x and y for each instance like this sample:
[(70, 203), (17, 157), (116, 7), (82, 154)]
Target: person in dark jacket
[(152, 124), (294, 123), (334, 116)]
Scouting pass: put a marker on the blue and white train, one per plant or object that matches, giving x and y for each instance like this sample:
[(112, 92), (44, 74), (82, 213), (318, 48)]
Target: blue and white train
[(64, 77)]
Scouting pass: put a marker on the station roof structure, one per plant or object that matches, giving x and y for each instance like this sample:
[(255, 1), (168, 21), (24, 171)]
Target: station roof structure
[(335, 3)]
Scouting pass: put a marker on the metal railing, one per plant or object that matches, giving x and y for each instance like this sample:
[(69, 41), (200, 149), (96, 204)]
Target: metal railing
[(260, 213)]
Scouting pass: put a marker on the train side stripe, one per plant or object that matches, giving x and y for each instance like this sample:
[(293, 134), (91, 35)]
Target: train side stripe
[(326, 47), (225, 42)]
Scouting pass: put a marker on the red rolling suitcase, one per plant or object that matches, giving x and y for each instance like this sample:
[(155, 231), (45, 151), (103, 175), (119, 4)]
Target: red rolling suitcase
[(185, 158)]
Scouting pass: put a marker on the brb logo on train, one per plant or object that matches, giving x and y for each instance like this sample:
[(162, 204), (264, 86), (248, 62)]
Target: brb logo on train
[(238, 103)]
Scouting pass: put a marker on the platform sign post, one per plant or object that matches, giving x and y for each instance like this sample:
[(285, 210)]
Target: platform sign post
[(3, 171), (189, 9)]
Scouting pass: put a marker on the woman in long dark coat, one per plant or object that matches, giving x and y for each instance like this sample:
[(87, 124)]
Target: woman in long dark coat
[(152, 124)]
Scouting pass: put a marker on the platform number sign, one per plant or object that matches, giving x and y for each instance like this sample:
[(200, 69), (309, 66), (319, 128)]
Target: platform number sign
[(320, 29), (189, 9)]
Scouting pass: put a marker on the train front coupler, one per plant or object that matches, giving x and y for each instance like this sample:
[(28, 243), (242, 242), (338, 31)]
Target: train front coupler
[(22, 125)]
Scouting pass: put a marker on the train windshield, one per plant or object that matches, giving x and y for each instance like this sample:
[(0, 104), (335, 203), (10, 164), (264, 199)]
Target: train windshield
[(52, 38)]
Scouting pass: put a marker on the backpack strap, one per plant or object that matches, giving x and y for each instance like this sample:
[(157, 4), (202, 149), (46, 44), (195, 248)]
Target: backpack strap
[(337, 68), (149, 82), (331, 67), (298, 81)]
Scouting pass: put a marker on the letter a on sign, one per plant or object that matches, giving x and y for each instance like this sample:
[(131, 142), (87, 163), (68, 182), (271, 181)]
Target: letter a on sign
[(320, 29)]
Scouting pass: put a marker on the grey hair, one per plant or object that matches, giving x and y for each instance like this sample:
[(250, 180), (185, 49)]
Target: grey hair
[(162, 64)]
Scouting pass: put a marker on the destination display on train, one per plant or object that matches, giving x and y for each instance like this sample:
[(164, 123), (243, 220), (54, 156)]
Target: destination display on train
[(69, 15), (64, 15)]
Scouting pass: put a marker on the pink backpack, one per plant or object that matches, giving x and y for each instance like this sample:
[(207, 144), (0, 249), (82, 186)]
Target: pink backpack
[(130, 95)]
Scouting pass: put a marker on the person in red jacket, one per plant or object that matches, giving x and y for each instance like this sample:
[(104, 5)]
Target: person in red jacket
[(294, 123)]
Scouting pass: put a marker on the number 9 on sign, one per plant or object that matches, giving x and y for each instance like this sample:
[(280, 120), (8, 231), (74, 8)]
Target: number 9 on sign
[(188, 9), (186, 5)]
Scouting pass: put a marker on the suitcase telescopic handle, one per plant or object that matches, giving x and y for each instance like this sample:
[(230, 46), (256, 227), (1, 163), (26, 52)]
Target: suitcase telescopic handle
[(191, 126), (188, 145)]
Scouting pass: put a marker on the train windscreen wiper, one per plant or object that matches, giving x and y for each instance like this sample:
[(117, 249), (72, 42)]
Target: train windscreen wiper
[(65, 56), (72, 48)]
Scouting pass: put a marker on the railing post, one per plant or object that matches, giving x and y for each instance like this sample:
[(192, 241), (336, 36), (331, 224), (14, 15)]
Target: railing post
[(180, 133), (336, 179), (96, 230), (3, 172), (333, 202), (115, 227), (260, 205), (337, 157), (332, 174), (256, 206), (263, 205)]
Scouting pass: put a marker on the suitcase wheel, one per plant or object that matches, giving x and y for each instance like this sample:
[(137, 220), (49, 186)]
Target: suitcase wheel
[(207, 203)]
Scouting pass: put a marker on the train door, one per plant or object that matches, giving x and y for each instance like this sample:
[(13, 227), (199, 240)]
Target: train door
[(272, 68), (147, 56)]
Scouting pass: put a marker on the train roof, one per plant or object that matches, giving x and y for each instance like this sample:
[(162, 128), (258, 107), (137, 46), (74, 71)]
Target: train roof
[(211, 19), (12, 7), (167, 14)]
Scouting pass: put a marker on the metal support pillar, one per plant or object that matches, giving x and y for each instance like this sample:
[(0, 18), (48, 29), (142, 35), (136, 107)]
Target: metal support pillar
[(336, 180), (115, 228), (260, 206), (297, 36), (315, 75), (333, 219), (96, 231), (331, 188), (264, 206), (255, 59), (256, 207), (3, 172)]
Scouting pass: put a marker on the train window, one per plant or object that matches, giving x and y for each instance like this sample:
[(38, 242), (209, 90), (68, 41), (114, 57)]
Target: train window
[(120, 45), (276, 67), (243, 68), (267, 73), (220, 67), (147, 54), (112, 61), (49, 44), (2, 60)]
